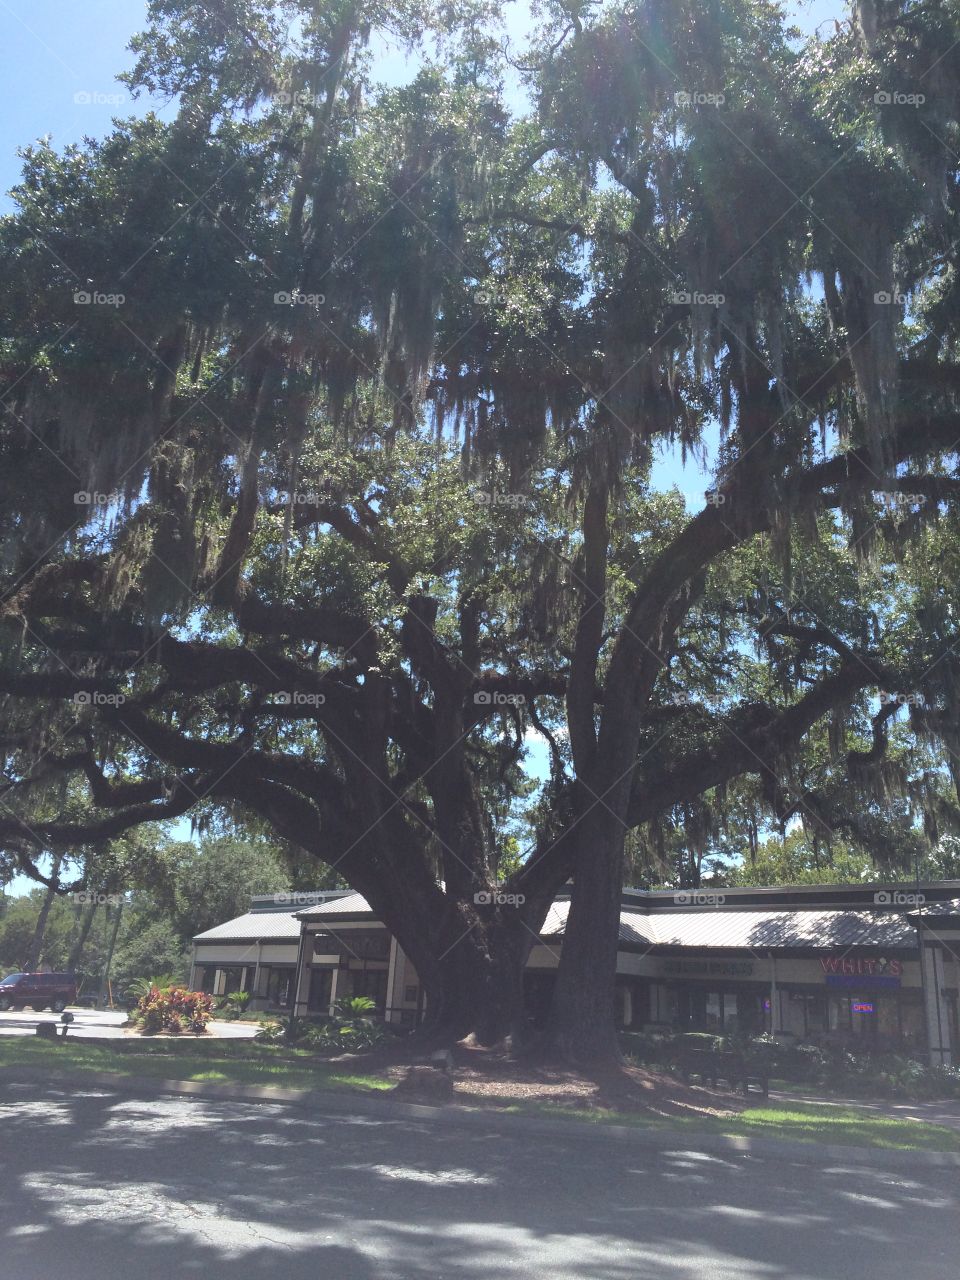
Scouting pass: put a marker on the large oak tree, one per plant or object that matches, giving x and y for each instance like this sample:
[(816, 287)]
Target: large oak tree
[(364, 401)]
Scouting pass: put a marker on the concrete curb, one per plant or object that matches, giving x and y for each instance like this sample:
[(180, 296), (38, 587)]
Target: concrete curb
[(338, 1103)]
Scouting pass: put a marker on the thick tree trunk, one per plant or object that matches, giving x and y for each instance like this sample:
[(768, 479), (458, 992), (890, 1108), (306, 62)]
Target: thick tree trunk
[(474, 983), (581, 1026)]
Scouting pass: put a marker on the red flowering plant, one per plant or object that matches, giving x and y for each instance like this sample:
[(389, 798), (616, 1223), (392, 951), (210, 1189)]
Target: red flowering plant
[(172, 1009)]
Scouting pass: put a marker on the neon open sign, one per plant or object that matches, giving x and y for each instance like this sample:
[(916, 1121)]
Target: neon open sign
[(862, 1006)]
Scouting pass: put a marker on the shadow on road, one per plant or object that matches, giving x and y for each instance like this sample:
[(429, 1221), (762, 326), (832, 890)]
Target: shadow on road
[(98, 1184)]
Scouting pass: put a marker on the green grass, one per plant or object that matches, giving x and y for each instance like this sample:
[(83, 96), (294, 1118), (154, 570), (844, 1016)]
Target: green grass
[(241, 1062), (219, 1062), (793, 1121)]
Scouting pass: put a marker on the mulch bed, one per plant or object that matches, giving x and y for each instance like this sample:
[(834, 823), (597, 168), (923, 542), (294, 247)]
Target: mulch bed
[(490, 1077)]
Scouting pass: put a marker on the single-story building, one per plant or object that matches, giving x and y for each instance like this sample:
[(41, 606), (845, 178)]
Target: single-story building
[(873, 964)]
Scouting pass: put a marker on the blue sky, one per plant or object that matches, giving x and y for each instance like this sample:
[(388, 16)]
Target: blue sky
[(61, 59)]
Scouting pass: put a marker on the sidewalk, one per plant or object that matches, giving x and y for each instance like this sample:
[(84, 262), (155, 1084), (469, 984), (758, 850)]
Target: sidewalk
[(944, 1112), (108, 1024)]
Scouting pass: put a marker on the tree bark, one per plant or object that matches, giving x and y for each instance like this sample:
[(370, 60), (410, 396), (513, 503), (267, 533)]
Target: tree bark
[(32, 961), (80, 942), (111, 947), (581, 1027)]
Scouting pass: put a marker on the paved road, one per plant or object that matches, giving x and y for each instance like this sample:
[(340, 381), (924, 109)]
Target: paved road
[(103, 1024), (98, 1184)]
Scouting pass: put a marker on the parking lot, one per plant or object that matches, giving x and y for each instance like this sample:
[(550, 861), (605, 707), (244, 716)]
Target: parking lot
[(103, 1024)]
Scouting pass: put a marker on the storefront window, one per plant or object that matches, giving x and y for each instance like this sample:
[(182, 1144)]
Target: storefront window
[(713, 1015)]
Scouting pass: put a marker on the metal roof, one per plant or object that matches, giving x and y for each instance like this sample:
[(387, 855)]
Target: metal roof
[(255, 926), (705, 928), (752, 929), (352, 905), (950, 908)]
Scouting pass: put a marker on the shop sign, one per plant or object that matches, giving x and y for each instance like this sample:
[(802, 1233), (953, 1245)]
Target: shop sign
[(861, 971), (709, 968)]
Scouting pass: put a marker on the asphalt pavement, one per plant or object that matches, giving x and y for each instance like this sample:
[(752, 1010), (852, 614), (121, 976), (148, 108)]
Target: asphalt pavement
[(96, 1183), (104, 1024)]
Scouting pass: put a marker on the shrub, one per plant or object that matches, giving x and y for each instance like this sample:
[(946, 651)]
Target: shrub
[(271, 1033), (236, 1003), (348, 1031), (172, 1009)]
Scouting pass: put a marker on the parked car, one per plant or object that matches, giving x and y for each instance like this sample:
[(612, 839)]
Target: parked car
[(39, 990)]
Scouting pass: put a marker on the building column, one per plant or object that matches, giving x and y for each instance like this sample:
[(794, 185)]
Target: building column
[(392, 1011), (935, 1006), (301, 969), (255, 993), (776, 1013), (334, 983)]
